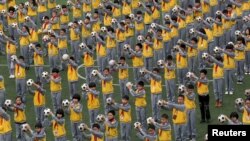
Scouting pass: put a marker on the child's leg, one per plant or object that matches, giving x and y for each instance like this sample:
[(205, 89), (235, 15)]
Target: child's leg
[(53, 97), (40, 71), (231, 75), (189, 123), (241, 71), (18, 131), (2, 97), (177, 132), (226, 76), (127, 130), (206, 104), (220, 89), (73, 130), (50, 63), (23, 89), (215, 86), (202, 108), (183, 131), (193, 124), (59, 100), (123, 131)]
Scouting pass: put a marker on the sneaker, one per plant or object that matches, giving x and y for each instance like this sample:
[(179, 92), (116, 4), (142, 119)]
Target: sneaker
[(226, 92), (220, 104), (249, 73), (12, 76), (193, 139), (246, 73), (231, 92)]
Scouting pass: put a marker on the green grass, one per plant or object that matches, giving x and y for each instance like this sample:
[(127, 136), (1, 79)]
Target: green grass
[(228, 105)]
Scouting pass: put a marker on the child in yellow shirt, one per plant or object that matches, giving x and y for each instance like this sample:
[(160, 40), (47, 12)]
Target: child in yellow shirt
[(72, 75), (240, 59), (182, 63), (88, 61), (32, 10), (111, 125), (95, 133), (62, 46), (2, 90), (53, 53), (22, 13), (41, 9), (38, 61), (147, 52), (5, 125), (64, 17), (123, 75), (164, 128)]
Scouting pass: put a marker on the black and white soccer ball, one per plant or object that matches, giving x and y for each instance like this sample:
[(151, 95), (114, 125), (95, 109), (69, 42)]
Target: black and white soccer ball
[(129, 84), (65, 57), (80, 22), (153, 25), (46, 38), (94, 72), (239, 101), (7, 102), (137, 125), (109, 100), (82, 127), (45, 74), (82, 45), (160, 62), (65, 103), (181, 88), (103, 29), (24, 127), (30, 82), (14, 25), (149, 120), (58, 7), (27, 3), (13, 58), (221, 118), (112, 62), (100, 118), (84, 86), (216, 49), (70, 24), (189, 74), (46, 112), (204, 55), (191, 31), (160, 102), (140, 38), (126, 46)]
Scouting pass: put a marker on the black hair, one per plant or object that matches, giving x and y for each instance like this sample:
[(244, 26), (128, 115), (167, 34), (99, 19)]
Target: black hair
[(38, 125), (126, 97), (62, 29), (230, 5), (55, 70), (112, 112), (181, 95), (11, 9), (164, 116), (92, 85), (60, 112), (190, 86), (156, 69), (109, 28), (139, 45), (139, 12), (174, 18), (183, 46), (109, 7), (64, 6), (76, 96), (90, 47), (122, 58), (96, 125), (140, 83), (106, 69), (38, 45), (72, 58), (202, 30), (151, 126), (242, 40), (195, 39), (219, 58), (46, 17), (229, 46), (96, 12), (234, 114), (203, 71), (21, 57), (38, 83), (87, 17), (169, 57)]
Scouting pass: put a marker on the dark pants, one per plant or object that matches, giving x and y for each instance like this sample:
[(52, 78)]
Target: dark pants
[(204, 107)]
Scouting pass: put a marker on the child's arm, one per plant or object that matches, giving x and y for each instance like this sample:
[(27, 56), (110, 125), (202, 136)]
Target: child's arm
[(164, 27), (207, 24), (171, 67), (112, 125), (59, 121), (145, 8), (158, 6), (161, 126), (180, 107), (73, 63), (240, 108), (20, 107), (105, 78), (235, 3), (46, 122), (230, 54), (22, 64), (182, 16), (94, 92), (139, 94), (150, 137), (114, 4), (126, 107), (216, 61), (190, 45), (204, 36), (100, 40), (86, 136), (182, 53), (78, 109), (31, 91), (240, 48), (191, 96), (97, 133), (4, 114), (155, 76), (111, 35)]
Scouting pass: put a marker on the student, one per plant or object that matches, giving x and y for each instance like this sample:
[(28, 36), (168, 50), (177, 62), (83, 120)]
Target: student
[(37, 134), (158, 45), (150, 135), (64, 17), (75, 113), (38, 100), (21, 13), (95, 20), (72, 75), (58, 125), (166, 35), (2, 91), (5, 126), (233, 119), (101, 52), (154, 79), (116, 9), (247, 49), (123, 75), (20, 74), (179, 117), (107, 85), (76, 10), (147, 52), (53, 52), (189, 102), (169, 75), (203, 95), (11, 46), (33, 31), (126, 7), (218, 31), (38, 61), (164, 128), (124, 116), (51, 5), (240, 58), (45, 26), (140, 102), (62, 46), (156, 8), (86, 31), (229, 67), (54, 20), (11, 17), (147, 16), (32, 10), (120, 37), (139, 23), (244, 109), (107, 15), (111, 43), (41, 9), (88, 61), (181, 20), (202, 45), (218, 80), (182, 64), (93, 102), (74, 33), (129, 30), (213, 7), (55, 88), (19, 116), (174, 29), (95, 133), (137, 60), (111, 125)]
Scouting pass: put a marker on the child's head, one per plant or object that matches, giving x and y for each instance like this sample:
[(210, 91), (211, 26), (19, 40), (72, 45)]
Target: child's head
[(138, 47), (202, 30), (125, 99), (169, 59), (234, 116), (230, 47), (55, 71), (203, 73), (180, 99), (247, 102), (52, 38), (96, 127), (59, 113), (54, 13), (159, 32), (46, 19), (219, 58), (194, 40), (96, 14), (229, 7), (109, 7), (122, 60), (218, 18), (106, 71), (76, 98), (11, 10), (139, 13), (19, 100), (156, 70), (38, 83), (127, 19), (21, 58), (183, 47), (64, 7), (140, 85), (92, 85), (164, 118), (111, 114), (225, 11), (190, 88), (87, 20), (149, 37), (110, 29), (72, 58), (38, 46), (240, 40), (21, 5), (247, 31), (38, 127), (151, 129), (62, 31), (174, 18)]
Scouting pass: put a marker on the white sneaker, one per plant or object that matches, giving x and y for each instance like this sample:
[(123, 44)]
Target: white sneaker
[(226, 92), (12, 76), (231, 92)]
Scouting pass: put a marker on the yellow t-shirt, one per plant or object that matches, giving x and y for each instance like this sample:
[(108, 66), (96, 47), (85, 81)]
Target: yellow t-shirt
[(93, 101), (140, 101), (38, 59), (229, 63), (107, 87), (126, 8), (58, 129), (55, 87), (100, 50), (202, 89), (147, 51), (190, 104), (111, 132), (74, 116), (10, 48), (72, 74), (179, 117), (125, 116), (88, 60), (52, 50), (181, 61), (169, 74), (155, 86), (218, 71), (20, 72), (19, 116), (38, 99), (164, 135), (245, 117), (5, 126)]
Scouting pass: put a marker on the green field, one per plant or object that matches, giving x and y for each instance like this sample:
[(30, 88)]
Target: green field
[(228, 105)]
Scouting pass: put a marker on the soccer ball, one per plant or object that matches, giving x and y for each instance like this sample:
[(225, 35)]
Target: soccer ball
[(65, 57), (80, 22), (46, 38), (160, 62), (31, 46), (27, 3), (1, 33), (29, 82), (230, 43), (58, 7), (140, 38), (204, 55), (239, 101), (188, 75), (179, 41), (222, 118), (160, 102), (94, 72), (47, 112), (16, 7), (3, 11), (128, 84), (14, 25), (100, 118), (142, 71), (88, 15), (84, 86), (109, 100), (93, 33), (13, 58), (191, 31), (132, 16), (245, 19), (137, 124), (181, 88), (126, 46), (82, 127), (237, 33), (65, 103), (209, 19), (112, 62), (206, 137), (216, 49), (24, 127), (101, 5), (26, 18), (70, 24), (103, 29), (217, 13), (153, 25), (167, 16), (199, 19), (247, 92), (149, 119), (82, 46), (50, 31), (45, 74), (7, 102), (175, 9), (113, 21), (69, 2)]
